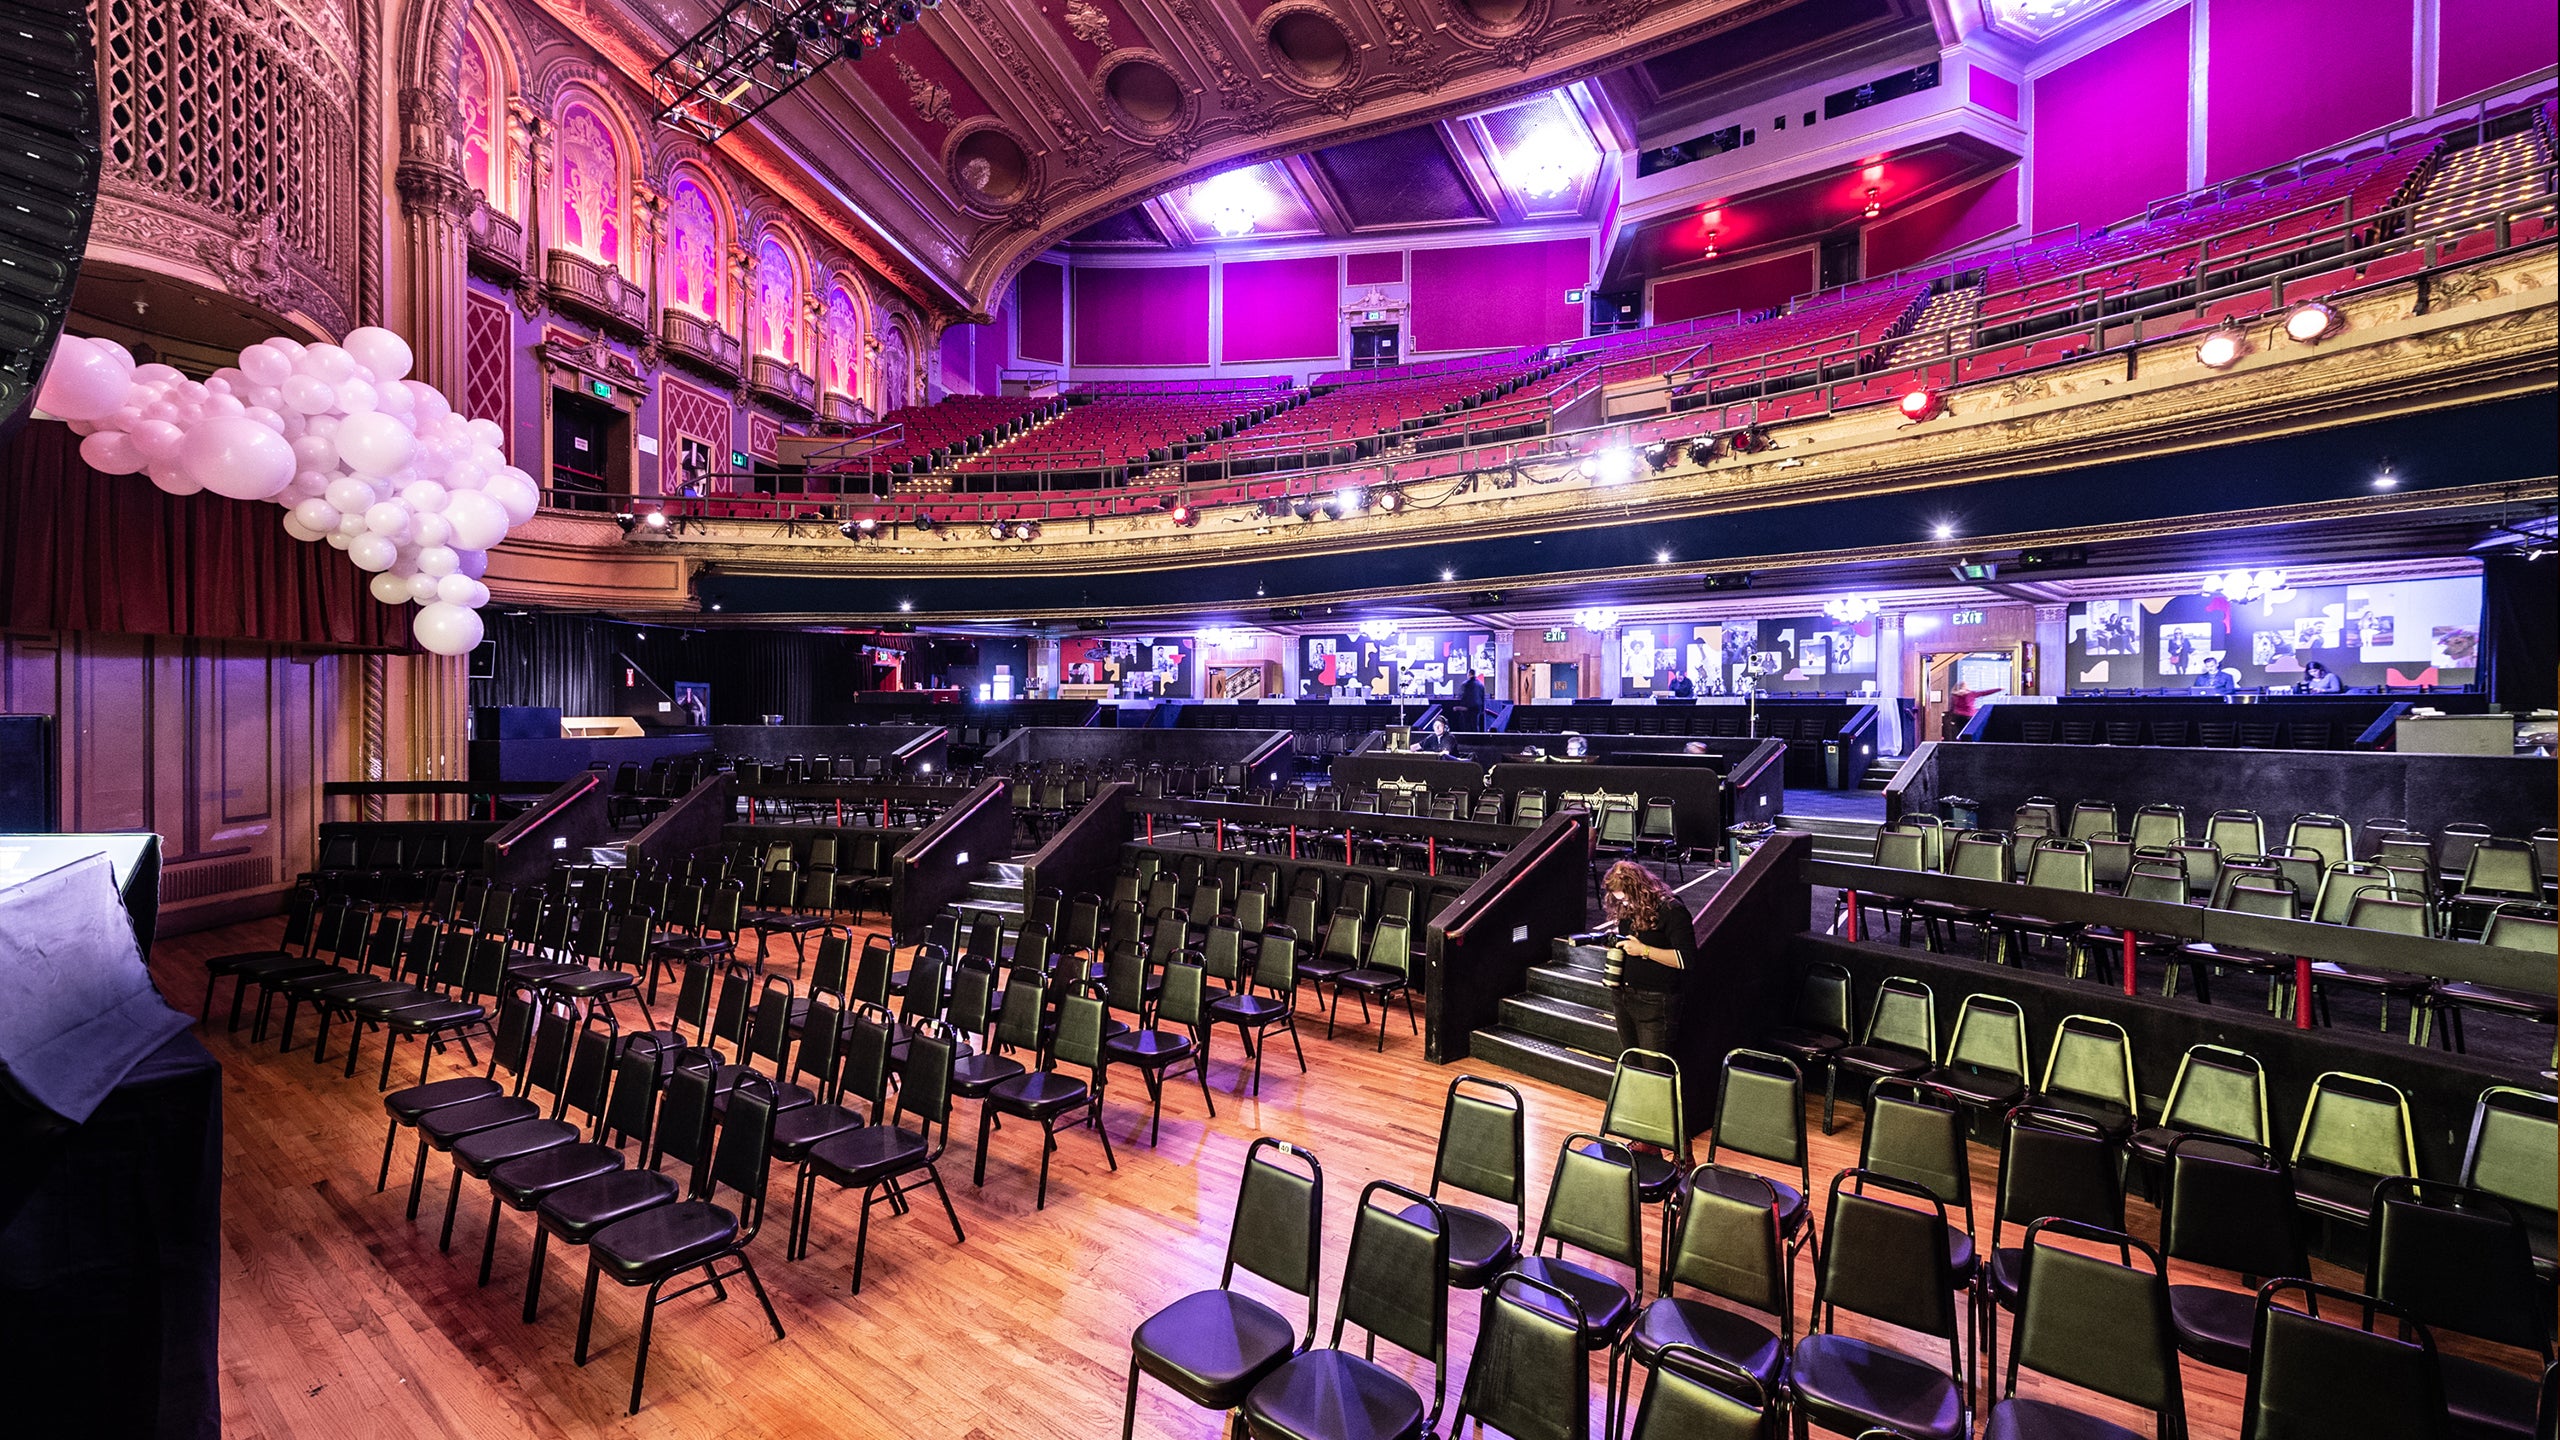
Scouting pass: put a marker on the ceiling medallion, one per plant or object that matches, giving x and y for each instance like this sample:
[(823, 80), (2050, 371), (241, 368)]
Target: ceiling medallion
[(1308, 48)]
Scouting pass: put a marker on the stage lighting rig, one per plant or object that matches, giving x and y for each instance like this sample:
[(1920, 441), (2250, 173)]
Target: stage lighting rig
[(754, 52)]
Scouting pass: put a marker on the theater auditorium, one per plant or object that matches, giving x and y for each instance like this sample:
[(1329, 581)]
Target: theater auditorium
[(1332, 719)]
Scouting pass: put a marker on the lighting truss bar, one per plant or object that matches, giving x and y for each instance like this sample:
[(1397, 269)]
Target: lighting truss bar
[(754, 52)]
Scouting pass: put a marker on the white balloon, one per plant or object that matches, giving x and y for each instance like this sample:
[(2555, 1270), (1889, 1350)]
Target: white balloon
[(373, 443), (112, 452), (224, 403), (325, 426), (379, 350), (390, 589), (474, 563), (158, 440), (266, 417), (355, 396), (390, 517), (427, 401), (352, 525), (325, 362), (286, 345), (430, 530), (188, 392), (172, 476), (236, 456), (265, 397), (294, 527), (114, 351), (393, 398), (337, 540), (265, 364), (316, 452), (478, 521), (318, 516), (459, 589), (514, 494), (486, 432), (308, 394), (373, 552), (438, 561), (422, 588), (156, 373), (219, 382), (466, 474), (82, 382), (352, 494), (446, 629), (423, 496)]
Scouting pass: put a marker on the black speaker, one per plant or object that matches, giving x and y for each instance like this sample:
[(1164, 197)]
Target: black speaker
[(48, 184)]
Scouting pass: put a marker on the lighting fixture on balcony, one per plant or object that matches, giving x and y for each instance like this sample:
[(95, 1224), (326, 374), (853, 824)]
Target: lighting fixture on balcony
[(1921, 403), (1711, 245), (2311, 322), (1851, 609), (1597, 619), (2223, 348), (1613, 466), (2386, 478), (1388, 502), (1875, 207), (1348, 501), (1182, 515)]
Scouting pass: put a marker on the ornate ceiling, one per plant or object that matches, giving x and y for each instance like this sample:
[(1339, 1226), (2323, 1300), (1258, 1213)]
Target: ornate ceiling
[(990, 130)]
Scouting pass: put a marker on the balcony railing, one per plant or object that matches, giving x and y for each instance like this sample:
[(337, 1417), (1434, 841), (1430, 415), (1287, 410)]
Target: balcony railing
[(839, 409), (497, 243), (700, 343), (599, 292), (777, 381)]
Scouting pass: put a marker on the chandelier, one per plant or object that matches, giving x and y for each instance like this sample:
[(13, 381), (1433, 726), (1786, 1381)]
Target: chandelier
[(1850, 609), (1220, 637), (1231, 203), (1380, 631), (2240, 586), (1546, 163), (1596, 619)]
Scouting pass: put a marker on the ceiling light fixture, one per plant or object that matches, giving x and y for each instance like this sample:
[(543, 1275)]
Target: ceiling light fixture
[(1850, 609), (1597, 619), (1546, 163), (1379, 630), (2223, 348), (1875, 207), (1231, 203), (1943, 530)]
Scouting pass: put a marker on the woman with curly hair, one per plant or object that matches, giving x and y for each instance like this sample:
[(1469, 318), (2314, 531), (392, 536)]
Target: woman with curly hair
[(1647, 961)]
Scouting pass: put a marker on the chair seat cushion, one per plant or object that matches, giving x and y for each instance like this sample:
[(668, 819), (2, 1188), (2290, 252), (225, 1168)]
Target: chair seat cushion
[(1607, 1308), (2335, 1193), (1742, 1185), (2021, 1419), (589, 984), (1848, 1385), (1725, 1334), (430, 1012), (1149, 1049), (245, 961), (1249, 1010), (444, 1126), (1878, 1060), (794, 1131), (1480, 1247), (1995, 1091), (2214, 1325), (407, 1105), (575, 1212), (1333, 1395), (975, 1075), (866, 1156), (1040, 1093), (2109, 1118), (1213, 1346), (786, 1098), (480, 1153), (2488, 1401), (663, 1240), (1374, 980), (523, 1181), (2358, 977), (2498, 997), (1804, 1046)]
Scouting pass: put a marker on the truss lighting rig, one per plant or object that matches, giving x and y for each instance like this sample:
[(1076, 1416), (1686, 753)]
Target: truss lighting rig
[(754, 52)]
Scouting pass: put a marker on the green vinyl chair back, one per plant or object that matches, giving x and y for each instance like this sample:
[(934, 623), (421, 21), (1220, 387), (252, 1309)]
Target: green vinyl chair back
[(1080, 1024), (1979, 855), (2022, 850), (2161, 880), (2231, 1207), (1823, 1002), (1592, 1203), (1916, 1136), (1392, 1284), (2277, 901), (2092, 1061), (1990, 1037), (1645, 1103), (2359, 1125), (2110, 860), (1529, 807), (1252, 910), (2159, 825), (1020, 1016), (1617, 825), (2056, 1165), (1275, 965), (2205, 864), (1483, 1146), (2328, 836), (2520, 927), (2037, 812), (2061, 865), (1887, 1259), (2316, 1374), (2406, 852), (2514, 1148), (1899, 850), (2339, 886), (2373, 908), (1728, 1245), (1278, 1230), (2458, 1260), (1530, 1375), (1391, 948), (1760, 1112), (2091, 819), (2503, 869), (1933, 839), (2097, 1323), (1222, 955), (1905, 1018), (2219, 1091), (1693, 1395), (2302, 869), (1184, 1005), (2236, 832)]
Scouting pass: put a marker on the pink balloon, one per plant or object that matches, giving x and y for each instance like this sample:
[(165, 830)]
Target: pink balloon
[(82, 382), (157, 439), (236, 456), (112, 452)]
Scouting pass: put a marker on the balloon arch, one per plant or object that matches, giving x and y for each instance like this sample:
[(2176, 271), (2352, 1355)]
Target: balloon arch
[(375, 464)]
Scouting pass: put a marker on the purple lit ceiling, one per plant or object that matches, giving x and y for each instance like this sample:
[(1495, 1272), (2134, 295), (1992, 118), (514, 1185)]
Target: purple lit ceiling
[(2036, 21)]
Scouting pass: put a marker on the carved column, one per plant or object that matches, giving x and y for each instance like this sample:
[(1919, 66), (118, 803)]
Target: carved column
[(435, 206), (537, 209)]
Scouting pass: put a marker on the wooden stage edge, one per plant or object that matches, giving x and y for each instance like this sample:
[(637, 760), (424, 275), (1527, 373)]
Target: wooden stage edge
[(340, 1318)]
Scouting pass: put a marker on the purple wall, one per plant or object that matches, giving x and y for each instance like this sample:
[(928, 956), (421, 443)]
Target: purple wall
[(2110, 128), (1481, 297), (1042, 296), (1153, 316), (1992, 91), (1281, 310), (1375, 267), (2486, 43), (1753, 285), (1945, 224), (2275, 90)]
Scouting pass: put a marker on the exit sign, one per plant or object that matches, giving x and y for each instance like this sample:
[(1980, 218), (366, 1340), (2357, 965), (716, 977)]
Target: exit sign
[(737, 459), (1966, 617), (602, 389), (1573, 297), (1555, 636)]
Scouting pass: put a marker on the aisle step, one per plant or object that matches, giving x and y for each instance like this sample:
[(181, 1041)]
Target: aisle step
[(1585, 1028), (1539, 1059), (1836, 839), (1569, 982)]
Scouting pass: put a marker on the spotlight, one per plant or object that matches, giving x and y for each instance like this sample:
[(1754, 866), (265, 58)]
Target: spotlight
[(1348, 500), (1182, 514), (655, 520), (1448, 575), (1918, 405), (1306, 508), (904, 606), (1026, 529), (2312, 322), (2223, 348), (1750, 440), (626, 520), (1613, 466), (850, 530), (1875, 207), (924, 523), (2386, 478), (867, 526), (1661, 455), (1661, 557), (1389, 502), (1943, 530), (998, 530)]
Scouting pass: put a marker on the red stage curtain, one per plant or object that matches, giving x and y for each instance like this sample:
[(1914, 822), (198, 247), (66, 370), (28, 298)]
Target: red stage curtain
[(114, 553)]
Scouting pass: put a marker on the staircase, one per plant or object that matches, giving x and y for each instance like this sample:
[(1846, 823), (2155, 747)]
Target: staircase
[(2478, 179), (1944, 326), (1561, 1029), (1850, 840), (997, 892), (1880, 774)]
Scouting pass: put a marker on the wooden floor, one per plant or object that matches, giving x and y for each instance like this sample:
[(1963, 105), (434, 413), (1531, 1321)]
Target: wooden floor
[(341, 1319)]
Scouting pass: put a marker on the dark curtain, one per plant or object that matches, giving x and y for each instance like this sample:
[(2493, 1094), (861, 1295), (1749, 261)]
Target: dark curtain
[(576, 662), (115, 554), (2520, 630)]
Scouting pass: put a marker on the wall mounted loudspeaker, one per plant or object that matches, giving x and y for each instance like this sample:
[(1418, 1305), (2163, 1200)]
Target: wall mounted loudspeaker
[(48, 186)]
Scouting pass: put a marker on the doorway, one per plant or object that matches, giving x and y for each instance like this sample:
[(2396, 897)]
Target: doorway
[(1545, 680), (1949, 678), (590, 451), (1373, 346)]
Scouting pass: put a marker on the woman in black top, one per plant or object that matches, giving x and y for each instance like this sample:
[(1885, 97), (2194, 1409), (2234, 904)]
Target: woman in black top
[(1653, 950)]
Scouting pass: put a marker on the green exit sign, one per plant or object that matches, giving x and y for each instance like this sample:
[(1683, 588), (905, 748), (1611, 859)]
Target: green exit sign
[(603, 389), (1967, 617), (1555, 636), (737, 459)]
